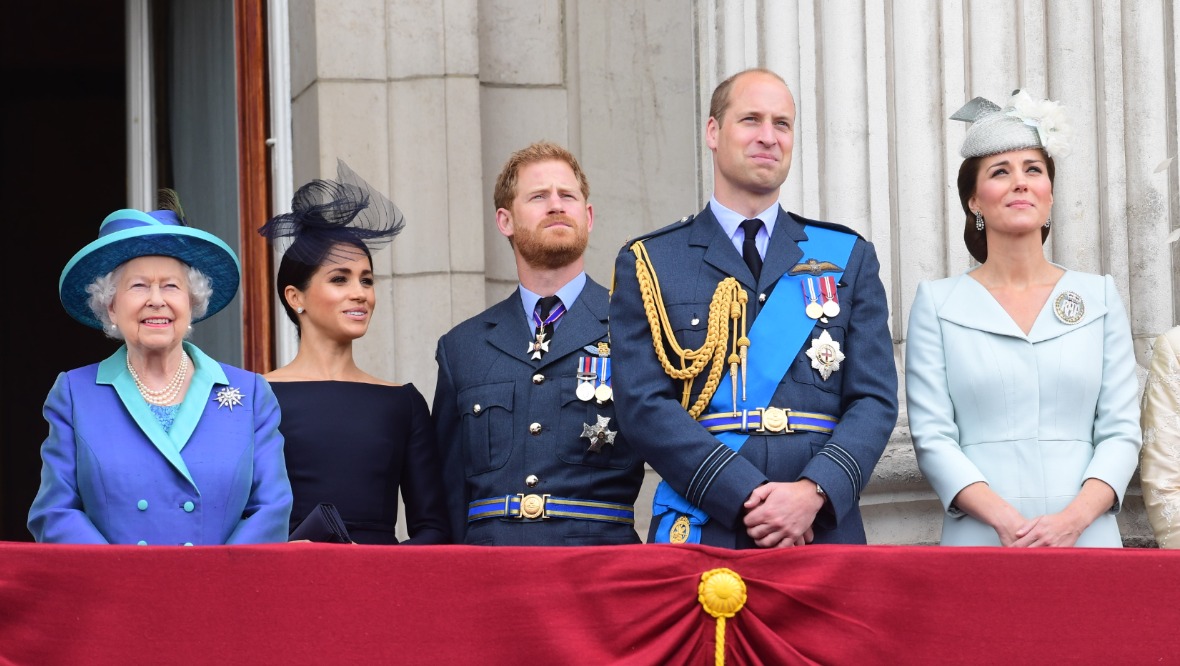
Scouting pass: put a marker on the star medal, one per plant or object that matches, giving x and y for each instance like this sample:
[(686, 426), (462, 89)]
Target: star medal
[(603, 392), (587, 374), (539, 346), (1069, 307), (228, 396), (825, 355), (811, 297), (598, 434), (827, 287)]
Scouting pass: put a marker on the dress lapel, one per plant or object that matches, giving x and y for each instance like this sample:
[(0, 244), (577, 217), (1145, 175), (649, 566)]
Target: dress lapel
[(113, 371), (207, 374), (970, 304), (1048, 326)]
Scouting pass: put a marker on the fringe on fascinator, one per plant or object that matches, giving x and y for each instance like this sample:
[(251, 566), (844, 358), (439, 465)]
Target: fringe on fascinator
[(329, 217)]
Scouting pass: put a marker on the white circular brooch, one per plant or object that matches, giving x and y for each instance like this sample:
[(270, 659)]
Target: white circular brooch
[(1069, 307)]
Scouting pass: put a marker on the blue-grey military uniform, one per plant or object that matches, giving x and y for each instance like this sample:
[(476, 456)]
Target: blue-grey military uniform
[(517, 468), (690, 258)]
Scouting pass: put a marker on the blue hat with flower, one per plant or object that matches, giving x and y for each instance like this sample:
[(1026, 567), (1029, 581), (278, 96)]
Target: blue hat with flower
[(1023, 123), (127, 234)]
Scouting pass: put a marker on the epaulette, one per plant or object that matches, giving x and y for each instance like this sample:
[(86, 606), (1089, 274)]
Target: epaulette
[(683, 222), (826, 225)]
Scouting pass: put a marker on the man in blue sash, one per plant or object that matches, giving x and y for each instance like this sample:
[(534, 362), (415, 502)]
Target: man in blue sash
[(754, 364), (532, 453)]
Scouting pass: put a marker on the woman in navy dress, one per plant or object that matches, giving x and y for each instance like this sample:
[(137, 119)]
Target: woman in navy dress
[(353, 440)]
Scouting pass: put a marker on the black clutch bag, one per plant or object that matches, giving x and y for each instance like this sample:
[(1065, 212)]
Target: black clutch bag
[(323, 525)]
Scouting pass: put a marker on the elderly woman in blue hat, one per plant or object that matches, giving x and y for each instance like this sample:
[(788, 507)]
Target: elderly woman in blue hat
[(1020, 373), (159, 444)]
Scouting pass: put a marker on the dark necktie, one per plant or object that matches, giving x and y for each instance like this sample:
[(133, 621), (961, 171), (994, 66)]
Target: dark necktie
[(545, 308), (750, 248)]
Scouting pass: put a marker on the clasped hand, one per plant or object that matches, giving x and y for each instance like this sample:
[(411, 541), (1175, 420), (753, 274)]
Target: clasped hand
[(782, 514)]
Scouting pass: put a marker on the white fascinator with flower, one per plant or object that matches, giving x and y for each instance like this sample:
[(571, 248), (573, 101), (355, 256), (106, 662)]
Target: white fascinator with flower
[(1023, 123)]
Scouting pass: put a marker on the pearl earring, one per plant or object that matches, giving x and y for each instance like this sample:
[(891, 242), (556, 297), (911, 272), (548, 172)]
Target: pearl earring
[(299, 310), (978, 221)]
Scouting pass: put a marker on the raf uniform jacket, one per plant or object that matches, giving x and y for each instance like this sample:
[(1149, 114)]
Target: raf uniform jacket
[(690, 258), (504, 420), (112, 474)]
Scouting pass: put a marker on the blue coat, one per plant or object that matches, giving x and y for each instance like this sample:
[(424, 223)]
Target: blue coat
[(690, 258), (112, 474), (488, 395), (1033, 415)]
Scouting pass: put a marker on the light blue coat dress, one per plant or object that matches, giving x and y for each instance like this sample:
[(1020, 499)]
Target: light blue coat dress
[(111, 473), (1035, 415)]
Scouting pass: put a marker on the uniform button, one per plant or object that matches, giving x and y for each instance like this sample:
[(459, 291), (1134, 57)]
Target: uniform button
[(141, 543), (761, 298), (531, 481), (535, 428), (188, 543), (476, 409), (538, 378), (142, 504), (694, 321), (188, 507)]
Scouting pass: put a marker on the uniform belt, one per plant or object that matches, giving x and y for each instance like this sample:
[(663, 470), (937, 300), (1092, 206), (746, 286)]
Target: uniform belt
[(768, 421), (541, 507)]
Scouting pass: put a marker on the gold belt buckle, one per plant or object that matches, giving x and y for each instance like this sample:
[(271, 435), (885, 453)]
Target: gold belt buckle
[(532, 506), (775, 420)]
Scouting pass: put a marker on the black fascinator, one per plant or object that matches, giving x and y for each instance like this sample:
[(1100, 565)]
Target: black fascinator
[(329, 217)]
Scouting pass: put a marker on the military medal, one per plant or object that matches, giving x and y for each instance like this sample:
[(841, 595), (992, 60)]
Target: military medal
[(811, 296), (825, 355), (587, 373), (603, 392), (1069, 307), (827, 287), (540, 345), (598, 434)]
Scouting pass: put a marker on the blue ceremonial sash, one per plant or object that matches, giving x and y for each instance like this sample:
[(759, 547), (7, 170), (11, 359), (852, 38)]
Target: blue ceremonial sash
[(777, 335)]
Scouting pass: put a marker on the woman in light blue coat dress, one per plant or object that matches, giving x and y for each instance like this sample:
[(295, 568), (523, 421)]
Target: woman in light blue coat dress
[(1020, 374), (159, 444)]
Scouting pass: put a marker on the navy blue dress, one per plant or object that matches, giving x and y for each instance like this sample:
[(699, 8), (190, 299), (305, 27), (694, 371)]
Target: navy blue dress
[(354, 445)]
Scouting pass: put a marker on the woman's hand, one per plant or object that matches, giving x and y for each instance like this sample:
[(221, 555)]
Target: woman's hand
[(1063, 528), (1054, 530)]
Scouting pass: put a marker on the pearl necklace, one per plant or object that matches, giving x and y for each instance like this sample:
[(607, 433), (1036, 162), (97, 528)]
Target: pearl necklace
[(166, 395)]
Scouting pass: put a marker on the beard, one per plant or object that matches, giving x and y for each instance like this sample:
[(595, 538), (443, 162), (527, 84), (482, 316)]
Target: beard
[(539, 248)]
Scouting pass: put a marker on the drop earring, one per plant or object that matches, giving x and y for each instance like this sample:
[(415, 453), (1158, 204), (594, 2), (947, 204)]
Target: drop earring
[(1048, 221), (978, 221)]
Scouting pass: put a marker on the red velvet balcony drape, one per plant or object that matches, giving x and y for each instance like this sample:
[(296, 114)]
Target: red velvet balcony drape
[(327, 604)]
